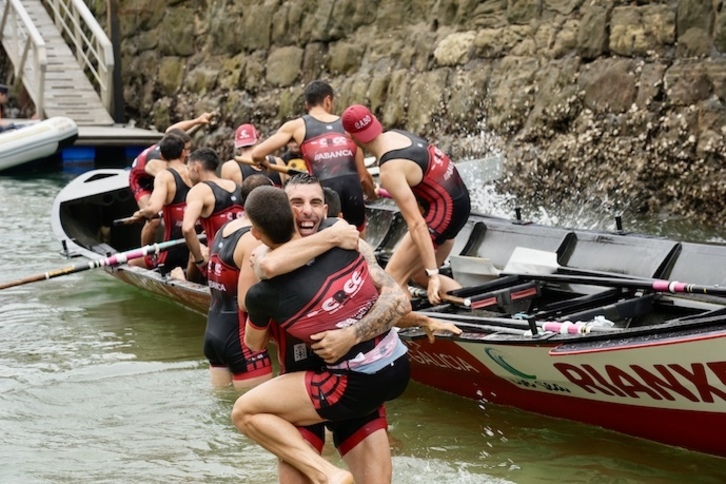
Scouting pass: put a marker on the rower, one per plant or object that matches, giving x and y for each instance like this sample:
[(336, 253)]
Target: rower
[(245, 139), (429, 192)]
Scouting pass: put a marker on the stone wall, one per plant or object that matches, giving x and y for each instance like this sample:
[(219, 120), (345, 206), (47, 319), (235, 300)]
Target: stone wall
[(588, 99)]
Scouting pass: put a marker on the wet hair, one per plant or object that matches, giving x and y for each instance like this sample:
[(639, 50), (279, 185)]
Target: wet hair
[(253, 181), (270, 212), (207, 157), (316, 92), (171, 147), (332, 200), (180, 133), (303, 179)]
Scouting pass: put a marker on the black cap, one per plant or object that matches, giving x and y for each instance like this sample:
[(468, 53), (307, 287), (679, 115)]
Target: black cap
[(3, 89)]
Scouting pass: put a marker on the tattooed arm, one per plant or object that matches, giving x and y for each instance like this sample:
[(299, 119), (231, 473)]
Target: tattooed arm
[(392, 304)]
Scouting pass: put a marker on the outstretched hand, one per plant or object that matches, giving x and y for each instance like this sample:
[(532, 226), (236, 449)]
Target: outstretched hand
[(436, 325)]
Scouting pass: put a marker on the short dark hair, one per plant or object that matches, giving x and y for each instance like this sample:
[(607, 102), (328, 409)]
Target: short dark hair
[(207, 157), (171, 147), (253, 181), (316, 92), (270, 212), (180, 133), (332, 200), (303, 179)]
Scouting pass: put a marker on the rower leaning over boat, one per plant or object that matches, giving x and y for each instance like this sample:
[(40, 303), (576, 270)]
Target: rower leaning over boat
[(428, 190), (245, 139), (150, 162), (212, 201), (169, 196)]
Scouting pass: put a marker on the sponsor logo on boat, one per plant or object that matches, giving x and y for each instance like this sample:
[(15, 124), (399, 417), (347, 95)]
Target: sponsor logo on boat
[(697, 382), (498, 358), (441, 360)]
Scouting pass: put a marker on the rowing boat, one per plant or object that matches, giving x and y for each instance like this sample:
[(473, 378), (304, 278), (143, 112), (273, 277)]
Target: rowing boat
[(582, 325)]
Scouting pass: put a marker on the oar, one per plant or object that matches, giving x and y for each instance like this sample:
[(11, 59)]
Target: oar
[(272, 166), (459, 301), (563, 327), (133, 220), (655, 285), (110, 261)]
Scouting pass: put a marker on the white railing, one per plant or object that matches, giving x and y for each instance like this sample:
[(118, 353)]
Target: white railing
[(26, 49), (88, 41)]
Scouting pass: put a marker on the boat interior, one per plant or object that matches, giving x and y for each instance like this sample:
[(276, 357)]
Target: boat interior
[(89, 222)]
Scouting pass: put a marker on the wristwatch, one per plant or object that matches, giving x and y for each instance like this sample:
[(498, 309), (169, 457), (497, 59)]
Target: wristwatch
[(431, 272)]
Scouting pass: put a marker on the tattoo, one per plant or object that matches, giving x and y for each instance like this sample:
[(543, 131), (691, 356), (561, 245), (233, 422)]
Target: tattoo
[(392, 303)]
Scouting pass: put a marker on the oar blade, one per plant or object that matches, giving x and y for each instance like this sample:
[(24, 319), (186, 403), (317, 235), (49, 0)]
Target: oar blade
[(531, 261)]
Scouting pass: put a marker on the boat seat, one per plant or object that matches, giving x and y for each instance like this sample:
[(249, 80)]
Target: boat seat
[(617, 254), (496, 240), (689, 264)]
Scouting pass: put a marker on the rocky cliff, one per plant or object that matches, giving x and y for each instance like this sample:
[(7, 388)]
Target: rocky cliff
[(588, 99)]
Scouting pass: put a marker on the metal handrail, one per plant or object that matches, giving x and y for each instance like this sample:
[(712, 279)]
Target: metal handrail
[(92, 47), (20, 38)]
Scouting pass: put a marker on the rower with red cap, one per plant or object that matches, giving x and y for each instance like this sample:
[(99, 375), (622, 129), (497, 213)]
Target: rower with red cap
[(246, 137), (428, 190)]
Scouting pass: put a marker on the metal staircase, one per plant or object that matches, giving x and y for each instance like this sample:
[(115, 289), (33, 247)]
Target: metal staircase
[(52, 44)]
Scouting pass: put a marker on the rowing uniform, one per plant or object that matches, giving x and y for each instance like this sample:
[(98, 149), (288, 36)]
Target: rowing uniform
[(224, 336), (248, 170), (333, 291), (330, 156), (227, 206), (172, 215), (442, 194), (140, 182)]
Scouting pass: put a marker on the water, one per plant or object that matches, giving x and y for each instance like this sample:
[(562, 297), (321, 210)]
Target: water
[(102, 383)]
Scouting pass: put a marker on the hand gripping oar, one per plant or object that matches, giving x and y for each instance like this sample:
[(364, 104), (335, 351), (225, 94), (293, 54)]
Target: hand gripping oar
[(134, 220), (110, 261), (459, 301), (270, 166)]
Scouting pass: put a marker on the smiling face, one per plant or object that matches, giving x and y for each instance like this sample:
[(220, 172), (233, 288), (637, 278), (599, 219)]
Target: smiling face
[(308, 204)]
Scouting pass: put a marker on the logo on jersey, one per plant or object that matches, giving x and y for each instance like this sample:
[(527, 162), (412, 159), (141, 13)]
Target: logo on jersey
[(350, 288)]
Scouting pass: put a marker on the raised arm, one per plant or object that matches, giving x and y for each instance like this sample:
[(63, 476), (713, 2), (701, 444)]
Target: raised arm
[(192, 124), (285, 133), (299, 252)]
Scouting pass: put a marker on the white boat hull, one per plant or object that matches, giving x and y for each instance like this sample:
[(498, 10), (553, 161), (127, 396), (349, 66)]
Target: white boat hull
[(36, 141)]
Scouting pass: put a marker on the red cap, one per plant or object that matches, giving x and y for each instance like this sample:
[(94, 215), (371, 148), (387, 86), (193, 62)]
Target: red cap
[(246, 135), (361, 123)]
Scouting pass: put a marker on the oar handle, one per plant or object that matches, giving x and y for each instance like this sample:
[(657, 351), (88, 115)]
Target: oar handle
[(133, 220), (459, 301), (271, 166)]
